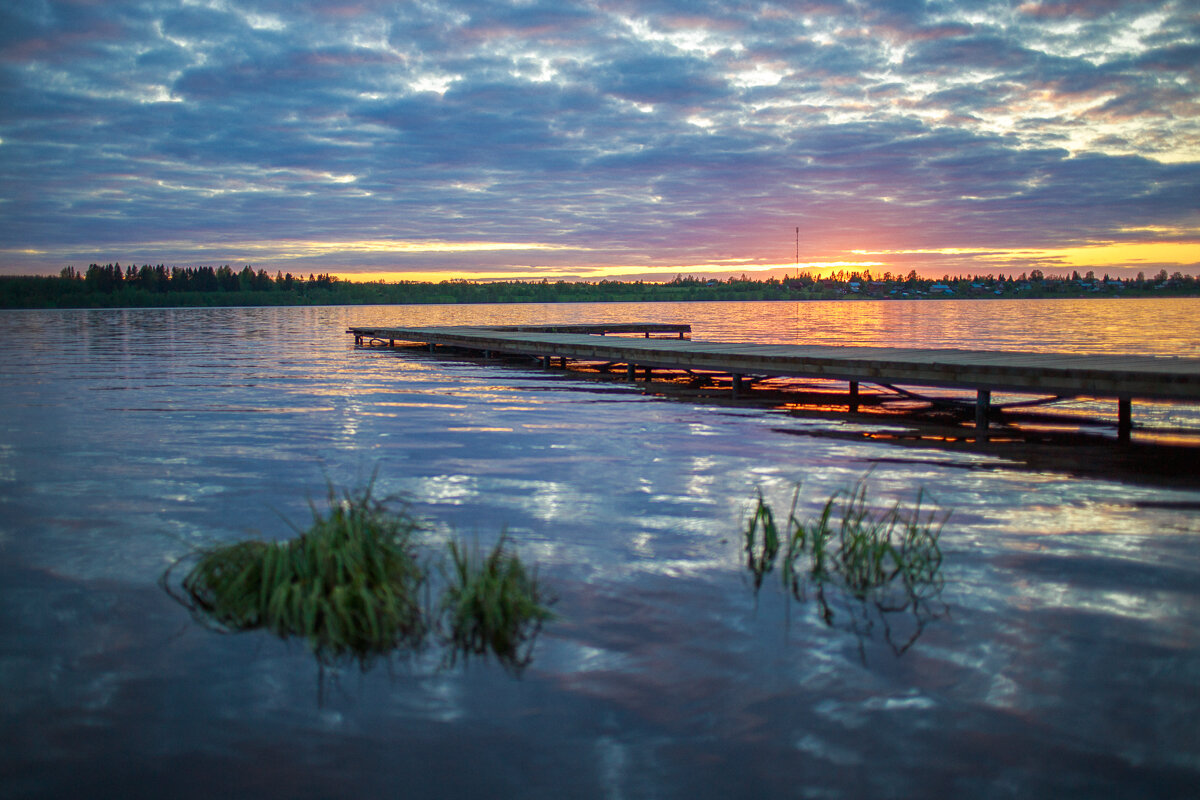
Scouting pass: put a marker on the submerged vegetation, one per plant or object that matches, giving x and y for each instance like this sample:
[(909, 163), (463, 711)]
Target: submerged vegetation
[(352, 586), (855, 560), (762, 548), (492, 604)]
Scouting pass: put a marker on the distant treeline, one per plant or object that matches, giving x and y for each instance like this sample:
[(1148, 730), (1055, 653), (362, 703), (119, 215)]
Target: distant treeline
[(114, 286)]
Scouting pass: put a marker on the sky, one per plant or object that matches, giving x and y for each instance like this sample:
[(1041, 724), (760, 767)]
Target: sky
[(433, 140)]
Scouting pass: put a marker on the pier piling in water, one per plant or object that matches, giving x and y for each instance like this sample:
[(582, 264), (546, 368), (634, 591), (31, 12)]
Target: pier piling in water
[(983, 406), (1124, 418)]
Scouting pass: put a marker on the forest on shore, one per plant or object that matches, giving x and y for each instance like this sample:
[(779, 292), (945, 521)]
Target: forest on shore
[(114, 286)]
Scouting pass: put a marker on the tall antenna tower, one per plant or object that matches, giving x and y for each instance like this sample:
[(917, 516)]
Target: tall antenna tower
[(797, 252)]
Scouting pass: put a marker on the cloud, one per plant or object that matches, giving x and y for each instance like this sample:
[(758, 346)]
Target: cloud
[(1073, 9), (608, 133), (654, 79)]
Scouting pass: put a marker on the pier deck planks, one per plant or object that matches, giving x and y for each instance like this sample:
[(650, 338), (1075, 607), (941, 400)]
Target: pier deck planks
[(1141, 377)]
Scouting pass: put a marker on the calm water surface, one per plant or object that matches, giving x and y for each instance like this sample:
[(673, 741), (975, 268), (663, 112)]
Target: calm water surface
[(1067, 666)]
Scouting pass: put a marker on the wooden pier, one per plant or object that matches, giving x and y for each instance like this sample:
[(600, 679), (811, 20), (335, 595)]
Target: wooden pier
[(1054, 376)]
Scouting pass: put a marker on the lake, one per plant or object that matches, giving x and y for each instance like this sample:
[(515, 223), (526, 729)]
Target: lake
[(1064, 660)]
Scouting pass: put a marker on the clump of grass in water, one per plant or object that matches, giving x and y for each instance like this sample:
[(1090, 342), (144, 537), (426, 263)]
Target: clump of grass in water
[(350, 584), (492, 604), (891, 559), (761, 553)]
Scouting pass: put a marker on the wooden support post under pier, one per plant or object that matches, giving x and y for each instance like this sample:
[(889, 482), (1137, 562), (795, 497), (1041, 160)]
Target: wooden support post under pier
[(853, 397), (1124, 419), (983, 402)]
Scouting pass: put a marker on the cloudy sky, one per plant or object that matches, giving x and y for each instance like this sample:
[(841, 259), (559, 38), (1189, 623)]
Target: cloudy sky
[(553, 138)]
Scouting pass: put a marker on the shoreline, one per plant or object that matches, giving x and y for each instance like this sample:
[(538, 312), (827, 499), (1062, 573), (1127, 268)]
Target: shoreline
[(112, 286), (648, 295)]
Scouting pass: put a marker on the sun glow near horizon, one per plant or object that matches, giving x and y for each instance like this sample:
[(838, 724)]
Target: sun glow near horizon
[(1120, 258), (426, 260), (651, 273)]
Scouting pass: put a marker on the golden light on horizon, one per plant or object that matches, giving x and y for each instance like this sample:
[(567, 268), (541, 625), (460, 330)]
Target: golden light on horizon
[(313, 248), (940, 251), (586, 273), (1114, 255), (1119, 254), (1176, 248)]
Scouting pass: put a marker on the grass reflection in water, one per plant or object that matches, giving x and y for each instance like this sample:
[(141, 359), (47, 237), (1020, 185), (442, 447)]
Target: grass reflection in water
[(862, 566)]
